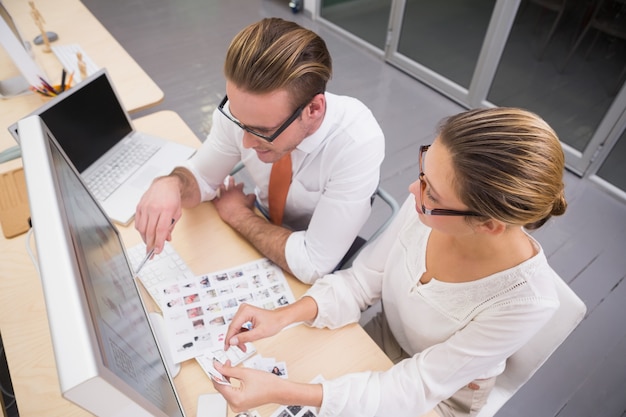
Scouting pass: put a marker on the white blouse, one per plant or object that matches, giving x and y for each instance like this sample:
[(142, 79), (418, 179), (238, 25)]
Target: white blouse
[(455, 332)]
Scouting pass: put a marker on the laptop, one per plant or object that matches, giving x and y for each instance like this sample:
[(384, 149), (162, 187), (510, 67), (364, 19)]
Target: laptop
[(117, 162)]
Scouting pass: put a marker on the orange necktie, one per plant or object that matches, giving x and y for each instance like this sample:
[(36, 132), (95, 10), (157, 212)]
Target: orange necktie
[(280, 180)]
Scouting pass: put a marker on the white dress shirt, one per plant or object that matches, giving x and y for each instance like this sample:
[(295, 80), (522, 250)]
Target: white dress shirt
[(335, 172), (455, 333)]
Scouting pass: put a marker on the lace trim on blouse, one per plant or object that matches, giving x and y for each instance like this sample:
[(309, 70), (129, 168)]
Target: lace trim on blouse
[(461, 301)]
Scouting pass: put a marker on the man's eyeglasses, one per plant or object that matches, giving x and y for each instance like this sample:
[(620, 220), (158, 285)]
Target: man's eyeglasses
[(436, 211), (271, 137)]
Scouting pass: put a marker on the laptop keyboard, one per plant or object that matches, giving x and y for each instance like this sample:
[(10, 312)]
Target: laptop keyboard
[(167, 266), (128, 159)]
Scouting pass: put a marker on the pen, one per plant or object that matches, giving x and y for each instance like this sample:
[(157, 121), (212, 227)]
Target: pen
[(148, 255), (63, 74), (143, 262), (43, 92), (48, 86)]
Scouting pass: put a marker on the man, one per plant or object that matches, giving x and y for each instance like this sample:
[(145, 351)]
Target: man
[(277, 115)]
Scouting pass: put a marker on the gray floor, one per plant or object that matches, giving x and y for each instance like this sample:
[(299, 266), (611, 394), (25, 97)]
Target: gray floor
[(181, 45)]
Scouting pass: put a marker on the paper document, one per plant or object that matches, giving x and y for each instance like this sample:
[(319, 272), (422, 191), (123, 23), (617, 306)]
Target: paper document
[(198, 310)]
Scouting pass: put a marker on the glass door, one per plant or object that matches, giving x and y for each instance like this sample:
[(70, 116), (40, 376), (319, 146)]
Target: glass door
[(550, 57), (558, 65), (563, 59), (610, 165), (364, 20), (440, 42)]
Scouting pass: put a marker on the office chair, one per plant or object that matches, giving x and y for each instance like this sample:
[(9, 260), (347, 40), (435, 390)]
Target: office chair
[(521, 366), (360, 242)]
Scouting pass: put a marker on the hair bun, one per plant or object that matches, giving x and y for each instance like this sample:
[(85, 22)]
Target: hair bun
[(560, 204)]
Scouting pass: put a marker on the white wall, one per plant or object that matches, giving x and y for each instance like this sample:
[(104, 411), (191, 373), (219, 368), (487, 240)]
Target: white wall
[(310, 6)]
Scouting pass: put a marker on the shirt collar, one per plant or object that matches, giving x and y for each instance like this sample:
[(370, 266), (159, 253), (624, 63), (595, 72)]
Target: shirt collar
[(312, 142)]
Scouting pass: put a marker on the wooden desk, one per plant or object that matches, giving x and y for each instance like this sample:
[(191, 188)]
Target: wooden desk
[(206, 244), (74, 23)]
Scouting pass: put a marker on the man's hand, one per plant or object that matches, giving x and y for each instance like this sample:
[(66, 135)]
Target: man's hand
[(157, 209), (161, 206), (237, 210), (232, 202)]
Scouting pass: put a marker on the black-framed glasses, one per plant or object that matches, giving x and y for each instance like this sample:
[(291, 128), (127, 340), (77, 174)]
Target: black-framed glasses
[(423, 184), (271, 137)]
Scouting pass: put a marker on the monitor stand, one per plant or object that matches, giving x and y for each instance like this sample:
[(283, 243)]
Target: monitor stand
[(14, 87), (158, 324)]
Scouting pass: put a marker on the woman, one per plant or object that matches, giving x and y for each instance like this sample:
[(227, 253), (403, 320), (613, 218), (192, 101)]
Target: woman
[(463, 286)]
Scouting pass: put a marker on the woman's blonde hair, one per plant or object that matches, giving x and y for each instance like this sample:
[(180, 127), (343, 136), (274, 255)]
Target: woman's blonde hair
[(275, 54), (508, 164)]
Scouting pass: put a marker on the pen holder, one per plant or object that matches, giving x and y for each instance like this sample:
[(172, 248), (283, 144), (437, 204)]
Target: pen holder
[(45, 95)]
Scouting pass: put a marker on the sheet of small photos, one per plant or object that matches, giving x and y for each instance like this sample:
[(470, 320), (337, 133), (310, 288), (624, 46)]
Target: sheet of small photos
[(289, 410), (284, 411), (295, 411), (298, 410), (197, 310)]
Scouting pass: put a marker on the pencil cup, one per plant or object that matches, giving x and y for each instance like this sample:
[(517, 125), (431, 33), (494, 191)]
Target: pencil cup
[(44, 97)]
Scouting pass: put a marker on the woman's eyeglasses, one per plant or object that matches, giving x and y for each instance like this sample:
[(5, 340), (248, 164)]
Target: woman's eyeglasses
[(423, 185)]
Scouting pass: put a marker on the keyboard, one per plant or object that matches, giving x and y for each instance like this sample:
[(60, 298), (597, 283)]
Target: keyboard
[(167, 266), (66, 54), (130, 156)]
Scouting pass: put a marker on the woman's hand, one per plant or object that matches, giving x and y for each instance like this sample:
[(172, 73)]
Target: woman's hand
[(255, 387), (252, 323)]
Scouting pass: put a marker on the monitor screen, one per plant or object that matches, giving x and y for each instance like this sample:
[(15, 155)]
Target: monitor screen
[(107, 356)]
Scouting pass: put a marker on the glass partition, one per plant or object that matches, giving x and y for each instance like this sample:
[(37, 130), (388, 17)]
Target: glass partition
[(366, 19), (559, 66)]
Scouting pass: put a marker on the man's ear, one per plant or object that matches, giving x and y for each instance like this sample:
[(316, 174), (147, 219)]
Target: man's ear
[(316, 108), (491, 227)]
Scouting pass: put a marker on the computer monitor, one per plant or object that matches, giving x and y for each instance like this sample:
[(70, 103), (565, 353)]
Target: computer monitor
[(108, 359), (18, 50)]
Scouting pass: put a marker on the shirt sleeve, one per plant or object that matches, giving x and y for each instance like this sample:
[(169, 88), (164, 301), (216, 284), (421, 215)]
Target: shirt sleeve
[(417, 384), (342, 210), (342, 296), (335, 224), (217, 156)]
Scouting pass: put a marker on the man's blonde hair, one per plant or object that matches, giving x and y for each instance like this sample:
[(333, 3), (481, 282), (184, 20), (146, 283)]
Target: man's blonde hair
[(275, 54)]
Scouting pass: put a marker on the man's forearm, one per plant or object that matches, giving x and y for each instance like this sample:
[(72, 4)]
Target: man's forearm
[(189, 188), (267, 238)]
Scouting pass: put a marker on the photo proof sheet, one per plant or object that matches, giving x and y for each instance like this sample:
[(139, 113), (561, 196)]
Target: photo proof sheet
[(197, 310)]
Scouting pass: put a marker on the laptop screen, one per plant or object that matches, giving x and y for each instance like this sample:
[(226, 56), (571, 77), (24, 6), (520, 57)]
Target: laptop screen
[(87, 120)]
